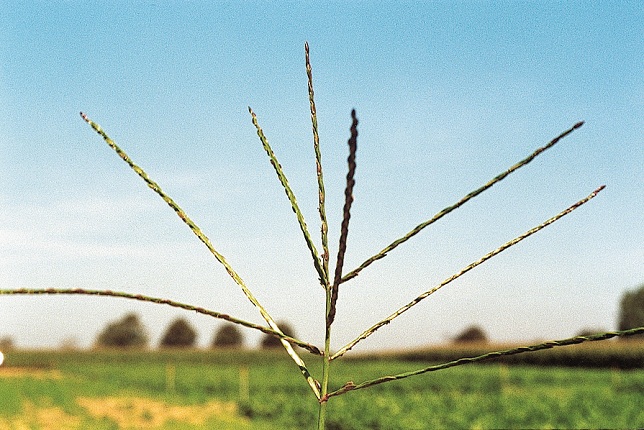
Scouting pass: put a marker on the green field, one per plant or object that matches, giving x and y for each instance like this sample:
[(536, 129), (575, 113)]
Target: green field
[(258, 390)]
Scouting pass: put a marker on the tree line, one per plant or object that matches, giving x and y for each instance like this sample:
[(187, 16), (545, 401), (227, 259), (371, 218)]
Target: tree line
[(129, 332)]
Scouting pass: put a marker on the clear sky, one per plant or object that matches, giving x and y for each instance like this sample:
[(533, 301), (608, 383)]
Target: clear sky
[(448, 95)]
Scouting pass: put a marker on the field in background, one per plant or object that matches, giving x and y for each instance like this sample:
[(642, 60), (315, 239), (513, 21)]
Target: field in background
[(260, 390), (607, 354)]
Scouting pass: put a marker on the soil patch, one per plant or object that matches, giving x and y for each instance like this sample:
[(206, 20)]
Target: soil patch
[(43, 418), (29, 372), (145, 413)]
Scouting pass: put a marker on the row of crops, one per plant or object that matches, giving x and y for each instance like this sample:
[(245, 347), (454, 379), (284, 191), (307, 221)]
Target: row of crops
[(618, 354)]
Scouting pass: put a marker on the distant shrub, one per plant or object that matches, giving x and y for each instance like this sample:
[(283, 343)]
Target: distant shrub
[(128, 332), (269, 341), (179, 334), (6, 343), (228, 336), (631, 310), (70, 343), (470, 335)]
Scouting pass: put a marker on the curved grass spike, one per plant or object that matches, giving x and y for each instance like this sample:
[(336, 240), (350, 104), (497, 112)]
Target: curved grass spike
[(140, 297), (458, 204), (204, 239), (291, 197), (350, 386), (324, 227), (483, 259)]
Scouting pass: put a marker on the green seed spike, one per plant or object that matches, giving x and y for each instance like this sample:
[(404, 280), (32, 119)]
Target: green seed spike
[(204, 239), (483, 259), (143, 298), (291, 197), (458, 204), (324, 228), (350, 386)]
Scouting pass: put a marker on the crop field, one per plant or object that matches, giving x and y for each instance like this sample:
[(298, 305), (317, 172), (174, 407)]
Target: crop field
[(263, 390)]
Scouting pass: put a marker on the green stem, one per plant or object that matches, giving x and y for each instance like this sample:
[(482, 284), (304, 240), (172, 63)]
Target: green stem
[(326, 365)]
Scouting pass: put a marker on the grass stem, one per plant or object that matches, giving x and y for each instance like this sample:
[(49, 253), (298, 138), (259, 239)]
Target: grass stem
[(326, 367)]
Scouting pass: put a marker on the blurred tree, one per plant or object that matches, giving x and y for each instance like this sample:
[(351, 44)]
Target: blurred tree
[(269, 341), (125, 333), (228, 336), (471, 334), (631, 310), (179, 334), (69, 344)]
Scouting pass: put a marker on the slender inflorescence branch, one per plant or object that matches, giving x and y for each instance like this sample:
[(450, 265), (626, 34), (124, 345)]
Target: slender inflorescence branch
[(180, 212), (289, 192), (206, 241), (324, 227), (346, 215), (143, 298), (324, 230), (486, 257), (350, 386), (449, 209)]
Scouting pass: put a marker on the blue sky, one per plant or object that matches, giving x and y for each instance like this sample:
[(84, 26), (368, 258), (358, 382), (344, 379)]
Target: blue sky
[(448, 95)]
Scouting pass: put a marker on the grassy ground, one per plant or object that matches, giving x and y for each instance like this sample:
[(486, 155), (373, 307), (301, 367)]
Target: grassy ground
[(173, 390)]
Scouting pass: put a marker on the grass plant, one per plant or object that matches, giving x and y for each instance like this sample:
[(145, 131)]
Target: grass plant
[(320, 386)]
